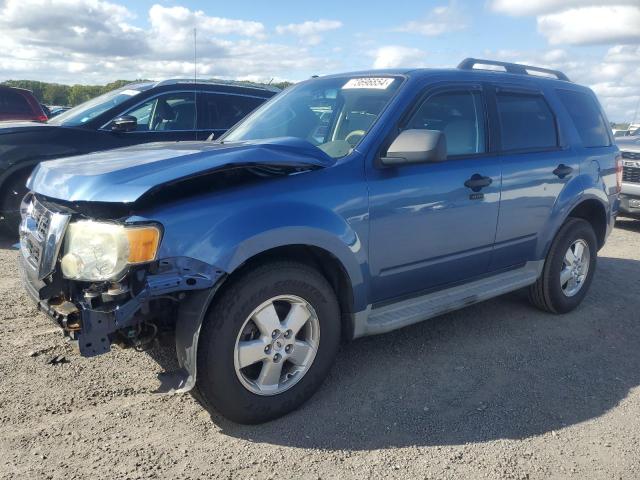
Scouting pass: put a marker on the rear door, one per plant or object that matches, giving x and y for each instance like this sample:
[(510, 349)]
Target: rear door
[(427, 228), (218, 112), (536, 167)]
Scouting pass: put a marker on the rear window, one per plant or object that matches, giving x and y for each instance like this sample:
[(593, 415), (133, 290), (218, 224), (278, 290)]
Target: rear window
[(13, 102), (587, 118), (526, 122)]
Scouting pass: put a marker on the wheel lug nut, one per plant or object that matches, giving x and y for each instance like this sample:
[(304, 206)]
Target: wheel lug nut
[(267, 349), (276, 357), (288, 334), (288, 348), (275, 333)]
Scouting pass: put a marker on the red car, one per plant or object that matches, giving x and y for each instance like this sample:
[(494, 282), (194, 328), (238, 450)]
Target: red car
[(19, 104)]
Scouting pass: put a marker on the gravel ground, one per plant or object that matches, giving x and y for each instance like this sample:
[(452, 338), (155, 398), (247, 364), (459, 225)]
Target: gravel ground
[(498, 390)]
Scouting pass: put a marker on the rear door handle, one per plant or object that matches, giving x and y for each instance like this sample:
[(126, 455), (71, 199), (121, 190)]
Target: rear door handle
[(563, 170), (477, 182)]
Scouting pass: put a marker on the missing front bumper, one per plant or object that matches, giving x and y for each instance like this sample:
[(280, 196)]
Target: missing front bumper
[(96, 329)]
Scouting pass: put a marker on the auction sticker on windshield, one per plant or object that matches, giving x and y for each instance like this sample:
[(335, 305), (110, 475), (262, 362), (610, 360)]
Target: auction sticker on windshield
[(130, 93), (369, 82)]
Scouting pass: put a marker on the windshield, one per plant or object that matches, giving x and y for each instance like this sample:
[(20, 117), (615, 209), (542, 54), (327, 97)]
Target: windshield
[(333, 114), (97, 106)]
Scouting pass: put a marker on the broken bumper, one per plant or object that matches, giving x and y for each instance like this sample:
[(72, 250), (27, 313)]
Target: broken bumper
[(95, 329)]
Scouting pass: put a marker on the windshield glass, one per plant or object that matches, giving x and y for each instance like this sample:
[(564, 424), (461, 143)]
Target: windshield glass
[(333, 114), (97, 106)]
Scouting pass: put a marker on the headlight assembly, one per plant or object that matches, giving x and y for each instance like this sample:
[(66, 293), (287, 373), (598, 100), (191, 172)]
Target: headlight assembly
[(97, 251)]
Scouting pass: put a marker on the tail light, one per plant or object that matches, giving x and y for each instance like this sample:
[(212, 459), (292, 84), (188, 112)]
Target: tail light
[(42, 118), (618, 173)]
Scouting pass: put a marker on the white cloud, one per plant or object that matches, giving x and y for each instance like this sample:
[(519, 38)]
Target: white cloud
[(84, 26), (592, 25), (624, 54), (95, 41), (537, 7), (309, 31), (614, 77), (165, 20), (440, 20), (394, 56)]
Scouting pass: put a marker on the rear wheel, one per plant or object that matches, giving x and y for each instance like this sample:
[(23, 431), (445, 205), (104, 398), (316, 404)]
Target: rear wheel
[(268, 343), (13, 191), (568, 269)]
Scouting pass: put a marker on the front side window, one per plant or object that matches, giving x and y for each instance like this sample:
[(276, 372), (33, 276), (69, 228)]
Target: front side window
[(459, 115), (526, 122), (167, 112), (222, 111), (587, 118), (333, 114)]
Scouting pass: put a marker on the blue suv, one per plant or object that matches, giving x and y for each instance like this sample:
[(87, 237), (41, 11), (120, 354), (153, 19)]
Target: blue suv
[(347, 205)]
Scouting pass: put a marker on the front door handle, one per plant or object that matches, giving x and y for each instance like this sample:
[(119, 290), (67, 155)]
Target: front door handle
[(562, 170), (477, 182)]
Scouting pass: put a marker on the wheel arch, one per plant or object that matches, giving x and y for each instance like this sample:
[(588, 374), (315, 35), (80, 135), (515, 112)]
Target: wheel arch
[(594, 212), (322, 260), (591, 208)]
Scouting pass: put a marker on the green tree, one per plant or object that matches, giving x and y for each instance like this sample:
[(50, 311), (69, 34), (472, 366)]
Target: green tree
[(72, 95)]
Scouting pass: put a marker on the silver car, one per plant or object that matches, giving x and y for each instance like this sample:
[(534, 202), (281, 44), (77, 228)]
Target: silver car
[(630, 193)]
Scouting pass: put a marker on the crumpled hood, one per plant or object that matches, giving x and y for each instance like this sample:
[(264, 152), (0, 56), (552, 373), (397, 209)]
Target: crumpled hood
[(124, 175)]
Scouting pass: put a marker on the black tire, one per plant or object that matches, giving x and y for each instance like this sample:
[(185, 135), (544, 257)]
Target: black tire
[(547, 294), (13, 191), (217, 382)]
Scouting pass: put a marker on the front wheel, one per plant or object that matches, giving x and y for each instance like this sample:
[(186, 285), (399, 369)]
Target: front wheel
[(268, 342), (568, 269)]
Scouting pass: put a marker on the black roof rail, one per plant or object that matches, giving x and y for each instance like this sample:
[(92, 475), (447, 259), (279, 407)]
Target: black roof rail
[(470, 63)]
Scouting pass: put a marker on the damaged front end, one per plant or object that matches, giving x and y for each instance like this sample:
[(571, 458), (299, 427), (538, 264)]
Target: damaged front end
[(126, 310)]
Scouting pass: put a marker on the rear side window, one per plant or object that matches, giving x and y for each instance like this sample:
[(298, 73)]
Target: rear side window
[(459, 115), (221, 112), (587, 118), (526, 122), (13, 102)]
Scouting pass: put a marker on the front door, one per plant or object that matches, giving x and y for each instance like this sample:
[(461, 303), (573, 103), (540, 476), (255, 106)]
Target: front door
[(166, 117), (427, 228)]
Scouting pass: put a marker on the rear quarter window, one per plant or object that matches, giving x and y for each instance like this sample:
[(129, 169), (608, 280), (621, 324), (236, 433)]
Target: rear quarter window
[(14, 102), (526, 122), (587, 118)]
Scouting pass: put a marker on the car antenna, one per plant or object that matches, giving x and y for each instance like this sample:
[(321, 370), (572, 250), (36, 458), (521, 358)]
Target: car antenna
[(195, 80)]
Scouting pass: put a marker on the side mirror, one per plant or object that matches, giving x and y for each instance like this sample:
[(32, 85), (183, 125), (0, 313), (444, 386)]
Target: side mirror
[(416, 146), (125, 123)]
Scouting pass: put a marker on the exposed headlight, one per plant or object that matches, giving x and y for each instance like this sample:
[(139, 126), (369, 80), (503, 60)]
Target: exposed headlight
[(96, 251)]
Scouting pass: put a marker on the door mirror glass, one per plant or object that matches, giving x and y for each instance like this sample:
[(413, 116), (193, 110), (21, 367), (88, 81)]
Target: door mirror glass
[(416, 146), (125, 123)]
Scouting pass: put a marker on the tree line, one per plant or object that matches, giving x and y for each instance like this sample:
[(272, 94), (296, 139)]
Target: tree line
[(72, 95)]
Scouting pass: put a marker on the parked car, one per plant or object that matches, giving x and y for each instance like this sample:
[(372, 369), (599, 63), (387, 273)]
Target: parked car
[(630, 193), (54, 110), (348, 205), (146, 112), (19, 104)]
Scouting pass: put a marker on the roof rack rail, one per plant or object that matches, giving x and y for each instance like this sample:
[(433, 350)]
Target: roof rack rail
[(518, 68), (234, 83)]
